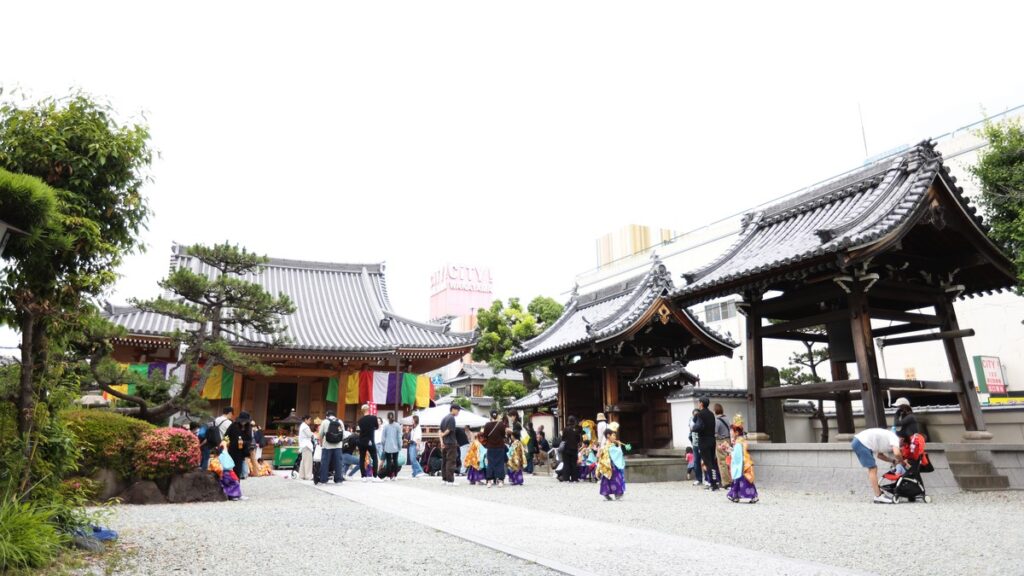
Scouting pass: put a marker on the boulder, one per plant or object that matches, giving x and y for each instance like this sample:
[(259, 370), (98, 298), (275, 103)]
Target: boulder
[(143, 492), (195, 486), (111, 484)]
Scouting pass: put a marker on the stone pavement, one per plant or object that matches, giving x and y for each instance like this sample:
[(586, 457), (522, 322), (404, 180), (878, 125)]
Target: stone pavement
[(580, 546)]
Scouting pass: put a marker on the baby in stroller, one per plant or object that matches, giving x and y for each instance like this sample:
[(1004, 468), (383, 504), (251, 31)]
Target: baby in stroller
[(904, 482)]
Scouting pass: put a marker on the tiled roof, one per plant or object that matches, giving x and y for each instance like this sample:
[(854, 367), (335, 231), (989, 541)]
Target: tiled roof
[(482, 371), (674, 374), (339, 308), (849, 212), (605, 314), (545, 395)]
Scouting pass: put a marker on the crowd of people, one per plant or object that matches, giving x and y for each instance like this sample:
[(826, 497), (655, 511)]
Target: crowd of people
[(505, 450)]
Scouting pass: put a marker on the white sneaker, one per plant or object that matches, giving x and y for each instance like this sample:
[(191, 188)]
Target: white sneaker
[(882, 499)]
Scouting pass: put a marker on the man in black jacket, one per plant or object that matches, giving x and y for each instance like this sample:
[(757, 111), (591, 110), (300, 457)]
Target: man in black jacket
[(706, 442)]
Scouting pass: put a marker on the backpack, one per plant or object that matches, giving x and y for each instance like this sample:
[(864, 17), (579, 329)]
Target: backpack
[(213, 436), (334, 433)]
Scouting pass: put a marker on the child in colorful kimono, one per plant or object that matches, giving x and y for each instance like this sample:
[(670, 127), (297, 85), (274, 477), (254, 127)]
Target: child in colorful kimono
[(222, 464), (474, 462), (516, 463), (611, 467), (588, 469), (741, 466)]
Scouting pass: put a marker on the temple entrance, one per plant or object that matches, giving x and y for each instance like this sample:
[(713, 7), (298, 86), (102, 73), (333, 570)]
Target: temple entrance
[(281, 398), (658, 422)]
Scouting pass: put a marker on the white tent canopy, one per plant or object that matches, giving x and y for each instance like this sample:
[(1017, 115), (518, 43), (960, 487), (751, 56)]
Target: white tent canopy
[(433, 416)]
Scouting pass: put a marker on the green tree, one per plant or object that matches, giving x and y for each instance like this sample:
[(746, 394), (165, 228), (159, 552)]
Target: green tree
[(504, 328), (442, 391), (803, 369), (503, 391), (1000, 175), (462, 402), (217, 313), (95, 170)]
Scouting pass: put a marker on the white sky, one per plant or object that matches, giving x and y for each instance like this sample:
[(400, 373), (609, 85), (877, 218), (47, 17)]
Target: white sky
[(508, 135)]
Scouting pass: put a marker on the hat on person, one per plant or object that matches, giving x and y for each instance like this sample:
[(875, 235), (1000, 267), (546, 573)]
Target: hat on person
[(901, 402), (614, 426), (455, 407), (600, 417), (364, 407)]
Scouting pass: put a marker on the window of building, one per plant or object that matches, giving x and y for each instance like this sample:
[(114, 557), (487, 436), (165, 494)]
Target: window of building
[(719, 311)]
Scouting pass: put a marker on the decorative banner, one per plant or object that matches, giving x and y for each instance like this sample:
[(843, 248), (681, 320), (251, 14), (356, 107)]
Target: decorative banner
[(332, 389), (423, 391), (380, 388), (989, 373), (219, 384), (392, 396), (408, 389), (352, 389), (366, 387)]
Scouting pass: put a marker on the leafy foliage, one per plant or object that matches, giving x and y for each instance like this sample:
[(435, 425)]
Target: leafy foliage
[(107, 439), (163, 452), (213, 309), (504, 328), (463, 402), (442, 391), (503, 391), (29, 535), (1000, 174)]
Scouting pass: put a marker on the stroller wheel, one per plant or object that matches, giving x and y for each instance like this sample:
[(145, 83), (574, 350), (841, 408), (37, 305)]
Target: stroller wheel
[(927, 499), (896, 499)]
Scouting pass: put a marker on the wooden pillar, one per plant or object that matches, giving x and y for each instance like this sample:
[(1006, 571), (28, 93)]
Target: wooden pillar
[(956, 356), (236, 393), (560, 378), (755, 369), (611, 390), (844, 406), (867, 365)]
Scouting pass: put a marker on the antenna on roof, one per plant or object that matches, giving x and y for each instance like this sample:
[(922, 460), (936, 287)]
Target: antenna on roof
[(863, 134)]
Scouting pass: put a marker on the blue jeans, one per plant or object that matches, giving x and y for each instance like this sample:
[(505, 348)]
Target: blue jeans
[(414, 459), (330, 458), (496, 464), (205, 463), (349, 461)]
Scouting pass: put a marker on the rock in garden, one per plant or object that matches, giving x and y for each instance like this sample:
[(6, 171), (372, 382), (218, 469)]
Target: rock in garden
[(195, 486), (143, 492), (111, 484)]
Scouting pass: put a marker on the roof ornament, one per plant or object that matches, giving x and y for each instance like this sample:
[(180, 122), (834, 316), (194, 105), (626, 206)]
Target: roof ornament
[(589, 325), (575, 291)]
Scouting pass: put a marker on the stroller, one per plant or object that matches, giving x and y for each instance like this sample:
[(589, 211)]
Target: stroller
[(909, 486)]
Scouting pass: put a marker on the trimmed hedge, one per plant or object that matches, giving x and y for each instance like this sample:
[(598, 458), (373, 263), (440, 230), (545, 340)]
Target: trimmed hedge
[(107, 439), (163, 452)]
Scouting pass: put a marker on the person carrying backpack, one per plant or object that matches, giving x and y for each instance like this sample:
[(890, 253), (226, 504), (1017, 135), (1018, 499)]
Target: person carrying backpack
[(332, 434)]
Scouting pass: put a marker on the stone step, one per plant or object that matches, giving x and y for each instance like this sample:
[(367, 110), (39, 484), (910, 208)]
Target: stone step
[(980, 483), (965, 457), (666, 453), (972, 469)]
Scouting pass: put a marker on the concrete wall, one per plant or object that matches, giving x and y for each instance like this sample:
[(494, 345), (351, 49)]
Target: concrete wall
[(1006, 423), (798, 426)]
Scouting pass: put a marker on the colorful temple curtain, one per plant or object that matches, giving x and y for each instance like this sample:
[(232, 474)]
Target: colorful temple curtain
[(352, 389), (140, 369), (366, 387), (408, 389), (392, 396), (332, 389), (380, 388), (219, 384), (423, 391)]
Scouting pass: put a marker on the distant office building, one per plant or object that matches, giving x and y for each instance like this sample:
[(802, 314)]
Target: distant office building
[(457, 293)]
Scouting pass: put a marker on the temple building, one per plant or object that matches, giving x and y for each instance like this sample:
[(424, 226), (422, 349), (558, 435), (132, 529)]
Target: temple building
[(346, 344), (620, 350), (876, 256)]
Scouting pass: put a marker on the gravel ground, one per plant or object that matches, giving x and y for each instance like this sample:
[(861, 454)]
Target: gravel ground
[(964, 533), (288, 528)]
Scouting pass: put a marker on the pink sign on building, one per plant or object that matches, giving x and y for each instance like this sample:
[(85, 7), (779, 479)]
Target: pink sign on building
[(460, 291)]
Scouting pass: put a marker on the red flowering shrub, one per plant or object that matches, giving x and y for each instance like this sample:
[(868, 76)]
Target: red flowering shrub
[(163, 452)]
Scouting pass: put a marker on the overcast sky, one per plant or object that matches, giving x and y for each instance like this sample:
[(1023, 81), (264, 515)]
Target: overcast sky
[(508, 135)]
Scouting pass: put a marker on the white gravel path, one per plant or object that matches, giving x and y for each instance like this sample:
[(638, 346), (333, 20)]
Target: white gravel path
[(287, 527), (963, 533)]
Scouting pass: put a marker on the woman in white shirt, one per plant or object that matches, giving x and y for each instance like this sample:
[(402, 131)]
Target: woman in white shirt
[(306, 449)]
